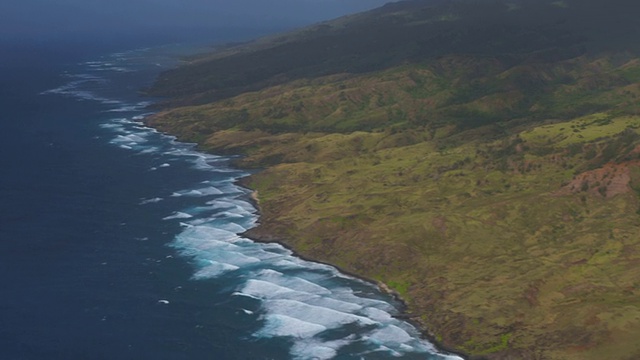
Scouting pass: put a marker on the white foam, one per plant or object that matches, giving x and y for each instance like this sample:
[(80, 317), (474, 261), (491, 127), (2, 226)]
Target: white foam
[(217, 264), (389, 350), (233, 227), (261, 289), (390, 335), (198, 192), (229, 215), (178, 215), (316, 349), (200, 235), (164, 165), (150, 201), (237, 208), (203, 161), (377, 314), (221, 204), (217, 244), (329, 318), (250, 248), (287, 264), (71, 90), (119, 69), (407, 348), (295, 283), (149, 150), (283, 325), (245, 295), (214, 269), (125, 108), (451, 357), (335, 304), (236, 258), (185, 193), (146, 129), (266, 290), (114, 127), (130, 138)]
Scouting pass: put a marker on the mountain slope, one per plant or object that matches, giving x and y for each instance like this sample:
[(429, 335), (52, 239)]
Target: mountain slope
[(409, 31), (487, 167)]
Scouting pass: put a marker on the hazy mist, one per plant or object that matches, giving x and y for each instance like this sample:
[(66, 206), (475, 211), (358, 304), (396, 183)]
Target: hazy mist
[(28, 19)]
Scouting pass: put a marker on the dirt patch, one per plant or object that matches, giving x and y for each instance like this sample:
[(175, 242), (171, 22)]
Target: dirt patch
[(608, 181)]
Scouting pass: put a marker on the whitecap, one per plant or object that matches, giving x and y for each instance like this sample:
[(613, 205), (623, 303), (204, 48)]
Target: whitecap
[(125, 108), (214, 269), (178, 215), (292, 282), (130, 138), (220, 204), (317, 349), (198, 192), (335, 304), (229, 215), (377, 314), (389, 335), (149, 150), (407, 348), (261, 289), (111, 126), (233, 227), (204, 235), (283, 325), (328, 318), (244, 295), (150, 201), (287, 264)]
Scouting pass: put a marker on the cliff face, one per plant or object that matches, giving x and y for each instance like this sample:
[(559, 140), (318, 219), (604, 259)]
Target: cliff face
[(486, 167)]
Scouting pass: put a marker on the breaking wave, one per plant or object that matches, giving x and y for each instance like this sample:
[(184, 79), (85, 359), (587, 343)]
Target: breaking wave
[(319, 311)]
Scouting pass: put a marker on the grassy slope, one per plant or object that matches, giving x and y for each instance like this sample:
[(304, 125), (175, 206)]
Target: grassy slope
[(514, 234), (479, 158)]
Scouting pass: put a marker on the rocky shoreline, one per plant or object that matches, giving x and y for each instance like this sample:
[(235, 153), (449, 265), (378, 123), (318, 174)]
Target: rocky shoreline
[(258, 235)]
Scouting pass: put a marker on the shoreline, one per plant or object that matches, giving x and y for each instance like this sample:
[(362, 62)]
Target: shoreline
[(254, 234)]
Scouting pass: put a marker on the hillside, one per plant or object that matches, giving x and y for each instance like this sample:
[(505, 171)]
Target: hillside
[(480, 158), (409, 32)]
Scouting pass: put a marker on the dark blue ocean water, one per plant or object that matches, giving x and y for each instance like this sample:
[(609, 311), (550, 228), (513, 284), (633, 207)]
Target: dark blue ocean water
[(117, 242)]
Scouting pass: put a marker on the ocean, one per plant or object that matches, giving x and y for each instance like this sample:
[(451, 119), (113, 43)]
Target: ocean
[(119, 242)]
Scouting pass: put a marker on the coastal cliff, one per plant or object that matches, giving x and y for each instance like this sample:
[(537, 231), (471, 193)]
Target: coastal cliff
[(480, 159)]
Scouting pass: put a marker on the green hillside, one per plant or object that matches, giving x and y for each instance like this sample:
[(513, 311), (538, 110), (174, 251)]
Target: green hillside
[(480, 158), (409, 32)]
